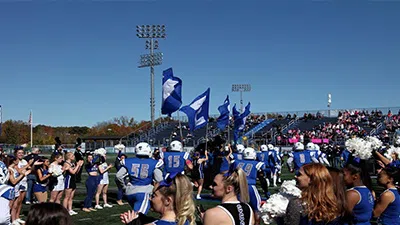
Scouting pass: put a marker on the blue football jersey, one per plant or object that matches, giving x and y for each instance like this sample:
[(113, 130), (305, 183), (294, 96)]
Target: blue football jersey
[(237, 156), (263, 157), (141, 170), (300, 158), (174, 162), (250, 167)]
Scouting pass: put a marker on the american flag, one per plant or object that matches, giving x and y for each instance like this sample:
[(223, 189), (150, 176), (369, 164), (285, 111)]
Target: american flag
[(30, 118)]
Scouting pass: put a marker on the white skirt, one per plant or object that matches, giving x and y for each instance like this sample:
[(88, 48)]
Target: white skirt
[(105, 179), (60, 184)]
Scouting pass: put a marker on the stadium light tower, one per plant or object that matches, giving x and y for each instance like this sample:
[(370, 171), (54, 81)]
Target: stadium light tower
[(151, 33), (241, 88)]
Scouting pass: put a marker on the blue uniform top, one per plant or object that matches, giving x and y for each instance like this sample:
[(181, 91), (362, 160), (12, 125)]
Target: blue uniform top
[(224, 165), (395, 164), (141, 170), (273, 158), (250, 167), (92, 166), (237, 156), (345, 155), (264, 157), (362, 211), (391, 215), (165, 222), (7, 192), (300, 158), (174, 162)]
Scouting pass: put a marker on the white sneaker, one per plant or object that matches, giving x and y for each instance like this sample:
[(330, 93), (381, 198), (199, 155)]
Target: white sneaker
[(27, 203), (19, 220), (15, 223), (198, 197), (72, 212), (107, 206), (98, 207)]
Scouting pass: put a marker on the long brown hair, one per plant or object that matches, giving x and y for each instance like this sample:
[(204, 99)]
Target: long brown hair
[(319, 197)]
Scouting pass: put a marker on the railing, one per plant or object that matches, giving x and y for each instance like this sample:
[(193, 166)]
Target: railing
[(300, 113)]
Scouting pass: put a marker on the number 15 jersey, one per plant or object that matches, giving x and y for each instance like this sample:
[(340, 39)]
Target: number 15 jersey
[(141, 170), (174, 162)]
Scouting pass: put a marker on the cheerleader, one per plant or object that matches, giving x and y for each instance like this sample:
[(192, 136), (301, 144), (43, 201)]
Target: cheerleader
[(71, 169), (226, 154), (172, 199), (198, 171), (253, 170), (56, 184), (360, 198), (92, 182), (102, 188), (42, 180), (6, 195), (15, 181), (118, 164), (388, 206)]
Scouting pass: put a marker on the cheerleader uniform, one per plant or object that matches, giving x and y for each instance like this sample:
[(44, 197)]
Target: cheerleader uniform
[(91, 182), (6, 195), (70, 179), (240, 213), (40, 186), (57, 182), (24, 182), (166, 222), (17, 185), (104, 177), (362, 211), (198, 170), (391, 215)]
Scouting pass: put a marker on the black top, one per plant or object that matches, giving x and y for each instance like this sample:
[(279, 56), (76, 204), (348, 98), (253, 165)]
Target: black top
[(240, 213)]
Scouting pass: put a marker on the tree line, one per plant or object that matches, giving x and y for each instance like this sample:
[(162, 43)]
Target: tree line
[(18, 132)]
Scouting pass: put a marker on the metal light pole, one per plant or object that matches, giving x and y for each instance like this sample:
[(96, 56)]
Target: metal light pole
[(151, 33), (241, 88)]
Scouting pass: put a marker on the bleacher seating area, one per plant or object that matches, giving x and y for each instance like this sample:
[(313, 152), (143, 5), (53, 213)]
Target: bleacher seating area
[(283, 130)]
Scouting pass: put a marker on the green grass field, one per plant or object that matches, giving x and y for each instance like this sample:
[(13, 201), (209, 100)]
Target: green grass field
[(110, 216)]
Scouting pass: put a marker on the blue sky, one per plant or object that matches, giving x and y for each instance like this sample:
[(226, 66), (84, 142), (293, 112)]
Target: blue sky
[(75, 63)]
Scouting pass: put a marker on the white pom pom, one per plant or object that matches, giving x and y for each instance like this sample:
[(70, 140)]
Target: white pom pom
[(100, 151), (119, 147), (24, 145)]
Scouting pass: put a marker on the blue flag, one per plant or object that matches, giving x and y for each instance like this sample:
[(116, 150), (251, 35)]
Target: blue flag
[(224, 110), (197, 111), (240, 121), (172, 93)]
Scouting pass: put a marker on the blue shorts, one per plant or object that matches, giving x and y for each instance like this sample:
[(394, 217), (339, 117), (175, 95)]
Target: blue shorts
[(140, 202), (255, 198)]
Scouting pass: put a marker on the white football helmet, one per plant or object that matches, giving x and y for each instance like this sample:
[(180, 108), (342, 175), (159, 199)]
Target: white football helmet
[(249, 153), (264, 148), (144, 149), (240, 148), (270, 147), (298, 146), (4, 175), (176, 146), (310, 146)]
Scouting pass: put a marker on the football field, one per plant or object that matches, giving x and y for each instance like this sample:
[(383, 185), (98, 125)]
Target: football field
[(110, 216)]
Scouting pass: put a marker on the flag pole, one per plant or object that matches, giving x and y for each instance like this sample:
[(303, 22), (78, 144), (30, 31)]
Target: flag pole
[(229, 136), (180, 126), (31, 129), (206, 137)]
